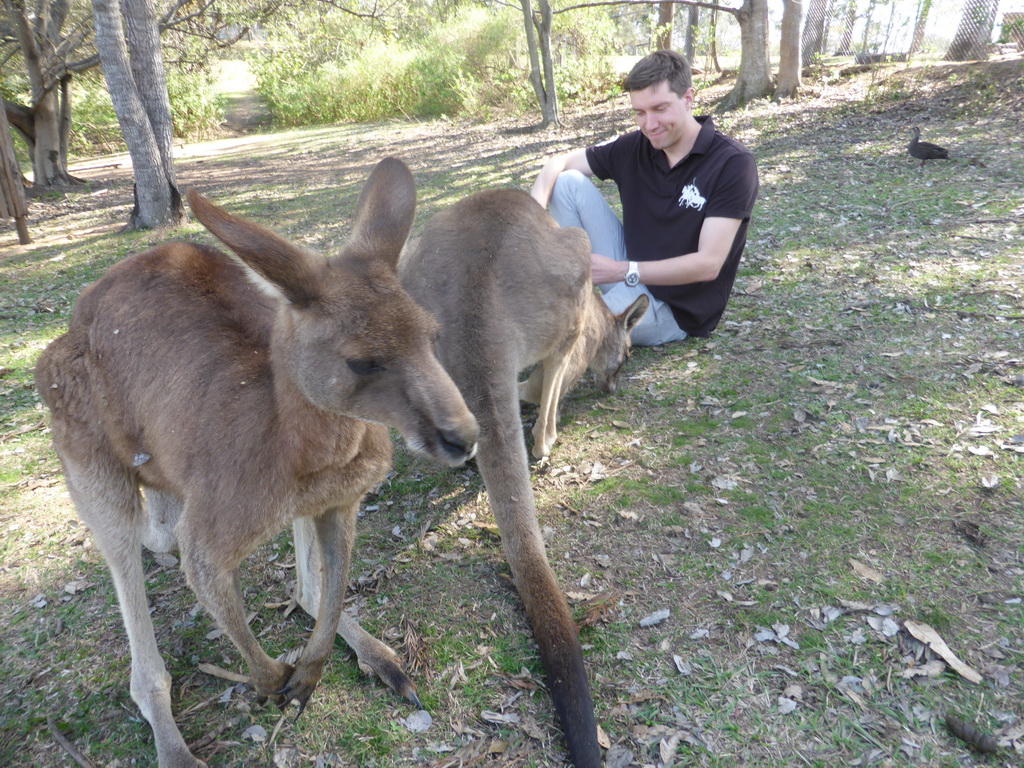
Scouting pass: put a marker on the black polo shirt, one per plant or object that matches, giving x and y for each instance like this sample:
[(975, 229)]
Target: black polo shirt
[(664, 208)]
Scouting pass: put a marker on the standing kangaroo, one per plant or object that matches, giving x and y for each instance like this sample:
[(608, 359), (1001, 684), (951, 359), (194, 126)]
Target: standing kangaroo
[(243, 392), (510, 289)]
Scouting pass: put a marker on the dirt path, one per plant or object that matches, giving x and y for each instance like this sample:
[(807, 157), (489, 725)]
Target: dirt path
[(244, 111)]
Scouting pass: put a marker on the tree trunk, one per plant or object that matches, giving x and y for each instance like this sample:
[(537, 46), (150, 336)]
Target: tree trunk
[(692, 26), (815, 26), (919, 25), (157, 200), (972, 37), (714, 40), (542, 70), (755, 76), (789, 50), (37, 29), (666, 10)]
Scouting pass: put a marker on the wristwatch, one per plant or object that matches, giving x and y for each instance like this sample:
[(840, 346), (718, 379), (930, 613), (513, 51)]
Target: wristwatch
[(632, 278)]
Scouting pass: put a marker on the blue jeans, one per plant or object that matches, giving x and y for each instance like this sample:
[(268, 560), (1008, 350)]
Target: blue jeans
[(576, 202)]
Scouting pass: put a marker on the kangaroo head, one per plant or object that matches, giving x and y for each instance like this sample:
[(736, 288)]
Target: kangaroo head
[(614, 349), (347, 336)]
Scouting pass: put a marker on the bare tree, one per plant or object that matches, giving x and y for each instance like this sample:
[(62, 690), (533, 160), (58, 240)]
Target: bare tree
[(974, 31), (789, 50), (542, 68), (48, 36), (138, 90)]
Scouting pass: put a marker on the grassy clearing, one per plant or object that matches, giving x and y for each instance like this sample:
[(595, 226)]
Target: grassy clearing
[(843, 456)]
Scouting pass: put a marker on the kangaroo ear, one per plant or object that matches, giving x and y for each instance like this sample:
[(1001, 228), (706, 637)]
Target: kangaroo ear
[(635, 312), (384, 212), (277, 267)]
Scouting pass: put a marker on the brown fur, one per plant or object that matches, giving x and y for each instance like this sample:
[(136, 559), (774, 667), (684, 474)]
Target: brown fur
[(510, 289), (242, 392)]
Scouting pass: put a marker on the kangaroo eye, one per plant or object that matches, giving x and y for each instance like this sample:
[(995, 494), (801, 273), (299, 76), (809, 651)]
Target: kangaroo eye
[(363, 367)]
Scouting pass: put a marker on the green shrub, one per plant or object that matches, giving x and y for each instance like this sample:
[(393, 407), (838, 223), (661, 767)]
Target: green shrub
[(94, 126), (195, 112), (196, 109)]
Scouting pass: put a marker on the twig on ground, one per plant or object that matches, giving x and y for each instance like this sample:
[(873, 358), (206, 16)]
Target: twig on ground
[(70, 748)]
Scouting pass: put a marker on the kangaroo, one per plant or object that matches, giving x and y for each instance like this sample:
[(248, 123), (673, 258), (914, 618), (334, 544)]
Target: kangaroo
[(510, 289), (243, 391)]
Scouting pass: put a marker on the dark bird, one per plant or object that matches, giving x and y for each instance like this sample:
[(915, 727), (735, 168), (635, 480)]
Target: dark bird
[(924, 150)]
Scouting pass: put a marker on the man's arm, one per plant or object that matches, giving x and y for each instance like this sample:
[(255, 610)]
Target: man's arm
[(545, 183), (716, 238)]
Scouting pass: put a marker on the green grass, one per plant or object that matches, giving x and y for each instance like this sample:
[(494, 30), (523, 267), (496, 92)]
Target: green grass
[(858, 396)]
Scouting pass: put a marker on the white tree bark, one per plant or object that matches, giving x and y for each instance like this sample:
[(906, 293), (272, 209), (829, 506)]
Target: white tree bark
[(158, 202), (754, 80), (789, 51), (542, 70)]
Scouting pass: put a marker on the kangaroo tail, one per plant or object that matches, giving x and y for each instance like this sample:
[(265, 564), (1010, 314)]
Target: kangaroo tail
[(505, 468)]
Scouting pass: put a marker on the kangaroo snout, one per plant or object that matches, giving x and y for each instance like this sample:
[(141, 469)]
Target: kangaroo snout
[(459, 447)]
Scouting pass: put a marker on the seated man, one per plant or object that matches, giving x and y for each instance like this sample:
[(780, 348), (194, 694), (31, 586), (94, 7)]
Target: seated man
[(687, 194)]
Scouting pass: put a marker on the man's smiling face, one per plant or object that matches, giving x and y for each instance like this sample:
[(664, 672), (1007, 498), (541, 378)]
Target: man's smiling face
[(662, 115)]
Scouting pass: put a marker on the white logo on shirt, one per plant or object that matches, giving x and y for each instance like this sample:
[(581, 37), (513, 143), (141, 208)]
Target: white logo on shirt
[(691, 197)]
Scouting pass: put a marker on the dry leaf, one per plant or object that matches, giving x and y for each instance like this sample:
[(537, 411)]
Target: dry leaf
[(255, 732), (655, 618), (933, 668), (498, 718), (602, 738), (866, 572), (931, 638), (418, 721)]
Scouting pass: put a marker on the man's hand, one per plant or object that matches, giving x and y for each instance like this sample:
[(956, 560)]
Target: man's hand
[(604, 270)]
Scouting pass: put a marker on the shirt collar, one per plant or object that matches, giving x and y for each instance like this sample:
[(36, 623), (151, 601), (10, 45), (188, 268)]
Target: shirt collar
[(706, 135)]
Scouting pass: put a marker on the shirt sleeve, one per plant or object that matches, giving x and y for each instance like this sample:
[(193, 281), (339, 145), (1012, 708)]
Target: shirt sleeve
[(736, 191), (607, 157)]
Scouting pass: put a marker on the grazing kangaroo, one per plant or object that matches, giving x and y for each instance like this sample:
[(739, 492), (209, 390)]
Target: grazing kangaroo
[(243, 392), (510, 289)]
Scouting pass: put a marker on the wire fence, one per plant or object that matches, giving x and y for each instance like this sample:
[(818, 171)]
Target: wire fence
[(868, 31)]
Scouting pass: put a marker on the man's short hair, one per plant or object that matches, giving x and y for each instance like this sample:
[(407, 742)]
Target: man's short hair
[(658, 67)]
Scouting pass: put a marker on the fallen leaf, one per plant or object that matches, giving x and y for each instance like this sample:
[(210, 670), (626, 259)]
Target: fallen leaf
[(933, 668), (418, 721), (667, 748), (286, 756), (684, 667), (866, 572), (619, 757), (931, 638), (498, 718), (786, 705), (602, 738), (655, 618), (255, 732)]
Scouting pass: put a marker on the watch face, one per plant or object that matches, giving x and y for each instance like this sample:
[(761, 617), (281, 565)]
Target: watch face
[(632, 275)]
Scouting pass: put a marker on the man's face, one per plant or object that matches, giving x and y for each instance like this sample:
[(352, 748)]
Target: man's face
[(661, 114)]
